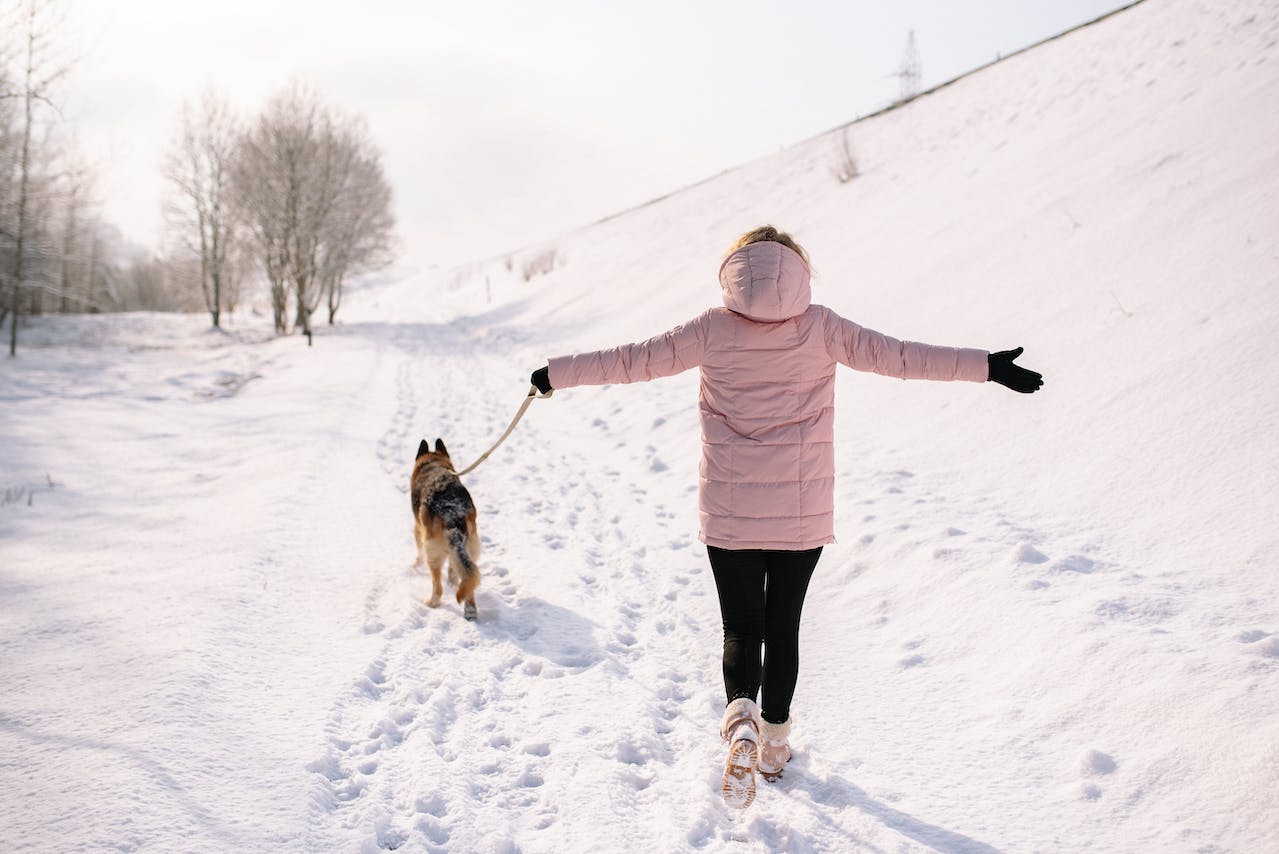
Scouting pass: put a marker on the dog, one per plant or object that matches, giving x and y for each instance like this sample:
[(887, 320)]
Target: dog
[(444, 525)]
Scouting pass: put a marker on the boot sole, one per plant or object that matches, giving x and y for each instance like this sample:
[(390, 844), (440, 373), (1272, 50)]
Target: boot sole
[(738, 786)]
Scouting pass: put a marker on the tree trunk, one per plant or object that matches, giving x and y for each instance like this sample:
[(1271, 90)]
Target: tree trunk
[(90, 295), (335, 295), (64, 284), (24, 169)]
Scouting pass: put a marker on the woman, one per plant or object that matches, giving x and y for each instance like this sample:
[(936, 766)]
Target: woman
[(767, 476)]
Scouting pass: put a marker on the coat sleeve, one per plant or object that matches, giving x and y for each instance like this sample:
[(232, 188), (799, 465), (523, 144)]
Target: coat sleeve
[(661, 356), (867, 350)]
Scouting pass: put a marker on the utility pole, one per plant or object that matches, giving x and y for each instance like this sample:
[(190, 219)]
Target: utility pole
[(909, 71)]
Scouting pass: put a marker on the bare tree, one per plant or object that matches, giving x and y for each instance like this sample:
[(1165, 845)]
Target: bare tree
[(40, 264), (332, 155), (199, 166), (358, 236), (269, 178), (316, 202), (76, 197), (94, 273), (10, 148), (38, 71)]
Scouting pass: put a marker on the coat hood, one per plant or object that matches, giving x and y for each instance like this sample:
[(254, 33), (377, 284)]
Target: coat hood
[(766, 282)]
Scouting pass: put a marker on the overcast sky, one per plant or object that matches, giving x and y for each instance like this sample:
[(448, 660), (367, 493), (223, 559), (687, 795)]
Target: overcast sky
[(506, 123)]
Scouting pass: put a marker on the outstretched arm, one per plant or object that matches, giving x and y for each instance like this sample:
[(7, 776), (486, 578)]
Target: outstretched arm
[(661, 356), (867, 350)]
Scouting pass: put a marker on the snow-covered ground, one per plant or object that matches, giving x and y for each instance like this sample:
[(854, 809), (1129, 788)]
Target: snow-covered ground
[(1049, 624)]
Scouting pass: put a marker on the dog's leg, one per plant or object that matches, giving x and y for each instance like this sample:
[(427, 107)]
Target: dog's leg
[(473, 544), (468, 604), (471, 580), (419, 539), (436, 552)]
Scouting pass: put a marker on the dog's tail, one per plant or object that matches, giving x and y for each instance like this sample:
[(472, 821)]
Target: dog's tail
[(459, 534)]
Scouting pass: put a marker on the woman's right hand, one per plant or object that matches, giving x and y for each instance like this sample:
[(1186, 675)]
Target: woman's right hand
[(541, 379)]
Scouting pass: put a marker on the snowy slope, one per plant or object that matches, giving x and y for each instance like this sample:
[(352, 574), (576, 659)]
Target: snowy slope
[(1049, 623)]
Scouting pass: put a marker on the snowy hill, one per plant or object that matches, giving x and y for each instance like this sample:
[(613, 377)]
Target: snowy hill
[(1049, 624)]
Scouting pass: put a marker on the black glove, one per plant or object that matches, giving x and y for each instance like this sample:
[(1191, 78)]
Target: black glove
[(1015, 377), (542, 379)]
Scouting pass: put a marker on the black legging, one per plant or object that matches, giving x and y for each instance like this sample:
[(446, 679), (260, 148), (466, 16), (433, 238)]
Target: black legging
[(761, 595)]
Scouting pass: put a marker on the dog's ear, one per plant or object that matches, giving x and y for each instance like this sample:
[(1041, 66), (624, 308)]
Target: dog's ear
[(422, 450), (439, 447)]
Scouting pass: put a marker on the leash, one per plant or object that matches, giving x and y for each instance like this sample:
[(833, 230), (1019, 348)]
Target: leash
[(529, 398)]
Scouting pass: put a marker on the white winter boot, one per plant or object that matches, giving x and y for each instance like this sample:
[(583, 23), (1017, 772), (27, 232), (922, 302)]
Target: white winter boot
[(741, 730), (774, 748)]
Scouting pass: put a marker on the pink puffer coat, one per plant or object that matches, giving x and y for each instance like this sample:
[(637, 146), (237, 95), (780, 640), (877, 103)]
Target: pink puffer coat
[(767, 398)]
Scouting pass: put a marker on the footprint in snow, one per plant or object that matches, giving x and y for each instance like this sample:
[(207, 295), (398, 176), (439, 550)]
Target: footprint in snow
[(1075, 563), (1026, 553), (372, 622), (1094, 764), (1269, 648), (374, 679), (389, 837), (435, 832), (433, 805)]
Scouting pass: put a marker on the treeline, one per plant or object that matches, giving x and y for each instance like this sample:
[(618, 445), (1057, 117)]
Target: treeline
[(292, 202)]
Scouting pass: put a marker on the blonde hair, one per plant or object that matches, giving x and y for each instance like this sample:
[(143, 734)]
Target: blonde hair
[(769, 233)]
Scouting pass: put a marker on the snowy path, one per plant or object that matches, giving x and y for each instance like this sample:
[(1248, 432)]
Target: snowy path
[(591, 679), (473, 735)]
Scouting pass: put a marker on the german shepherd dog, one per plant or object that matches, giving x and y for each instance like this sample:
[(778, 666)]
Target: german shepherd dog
[(444, 525)]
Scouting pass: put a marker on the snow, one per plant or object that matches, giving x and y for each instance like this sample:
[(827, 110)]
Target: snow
[(1049, 622)]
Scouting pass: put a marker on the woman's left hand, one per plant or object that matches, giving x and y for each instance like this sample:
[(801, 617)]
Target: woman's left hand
[(1015, 377)]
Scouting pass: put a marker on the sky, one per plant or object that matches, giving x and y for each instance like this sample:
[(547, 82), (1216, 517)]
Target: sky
[(504, 124)]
